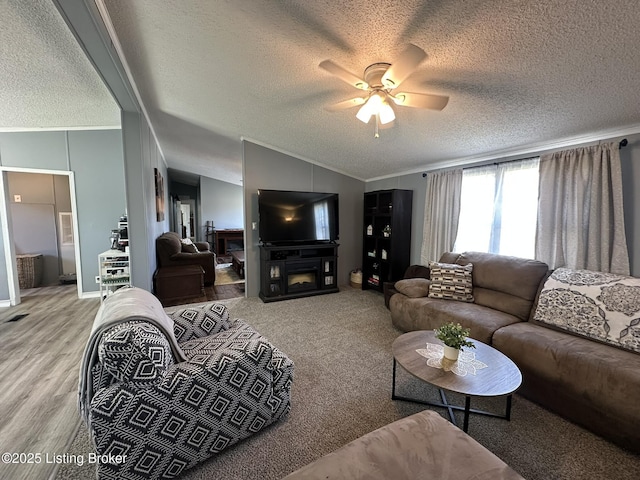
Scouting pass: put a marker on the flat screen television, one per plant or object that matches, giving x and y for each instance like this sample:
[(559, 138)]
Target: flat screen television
[(297, 217)]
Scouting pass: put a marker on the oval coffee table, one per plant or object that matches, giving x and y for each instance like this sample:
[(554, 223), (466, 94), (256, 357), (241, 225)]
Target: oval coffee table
[(492, 374)]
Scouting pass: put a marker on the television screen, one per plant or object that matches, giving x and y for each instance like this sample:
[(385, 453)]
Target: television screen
[(292, 217)]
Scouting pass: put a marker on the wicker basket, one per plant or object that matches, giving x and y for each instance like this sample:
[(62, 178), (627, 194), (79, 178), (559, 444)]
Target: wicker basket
[(355, 279), (29, 270)]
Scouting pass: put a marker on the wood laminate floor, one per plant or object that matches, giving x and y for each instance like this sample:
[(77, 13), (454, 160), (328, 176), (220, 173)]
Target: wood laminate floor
[(40, 357), (39, 364)]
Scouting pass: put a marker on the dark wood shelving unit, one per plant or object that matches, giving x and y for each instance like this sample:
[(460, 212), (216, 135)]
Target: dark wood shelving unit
[(386, 245), (294, 271)]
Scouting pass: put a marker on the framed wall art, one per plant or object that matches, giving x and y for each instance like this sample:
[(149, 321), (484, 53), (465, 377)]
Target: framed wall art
[(159, 195)]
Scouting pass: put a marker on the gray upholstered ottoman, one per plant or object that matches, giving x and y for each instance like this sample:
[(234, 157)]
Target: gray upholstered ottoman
[(421, 446)]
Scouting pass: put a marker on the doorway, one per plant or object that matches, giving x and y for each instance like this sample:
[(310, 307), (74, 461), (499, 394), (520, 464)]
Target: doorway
[(39, 230)]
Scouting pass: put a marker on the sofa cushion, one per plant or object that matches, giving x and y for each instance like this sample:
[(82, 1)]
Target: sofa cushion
[(508, 284), (600, 306), (423, 445), (451, 281), (409, 314), (200, 321), (135, 352), (591, 383), (413, 287)]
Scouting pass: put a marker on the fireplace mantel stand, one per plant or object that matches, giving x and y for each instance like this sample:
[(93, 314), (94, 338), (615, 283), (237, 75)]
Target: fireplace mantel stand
[(294, 271)]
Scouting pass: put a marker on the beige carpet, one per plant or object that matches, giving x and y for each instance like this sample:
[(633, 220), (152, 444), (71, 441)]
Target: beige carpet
[(341, 346)]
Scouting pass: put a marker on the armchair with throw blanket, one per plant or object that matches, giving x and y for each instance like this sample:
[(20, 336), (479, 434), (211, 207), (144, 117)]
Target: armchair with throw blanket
[(162, 392), (172, 252)]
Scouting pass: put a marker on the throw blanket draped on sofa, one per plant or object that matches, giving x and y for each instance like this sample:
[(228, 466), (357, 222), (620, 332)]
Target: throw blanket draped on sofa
[(132, 305)]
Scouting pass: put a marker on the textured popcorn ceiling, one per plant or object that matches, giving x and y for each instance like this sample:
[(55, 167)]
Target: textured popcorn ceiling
[(46, 81), (520, 75)]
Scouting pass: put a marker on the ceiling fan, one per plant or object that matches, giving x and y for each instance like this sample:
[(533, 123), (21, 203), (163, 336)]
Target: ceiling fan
[(380, 80)]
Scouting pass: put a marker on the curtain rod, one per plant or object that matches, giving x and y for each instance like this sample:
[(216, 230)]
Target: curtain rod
[(623, 143)]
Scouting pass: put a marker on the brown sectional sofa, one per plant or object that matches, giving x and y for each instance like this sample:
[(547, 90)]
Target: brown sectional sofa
[(591, 383)]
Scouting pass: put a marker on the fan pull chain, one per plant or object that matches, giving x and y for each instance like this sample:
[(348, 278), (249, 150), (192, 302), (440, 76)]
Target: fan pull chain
[(376, 134)]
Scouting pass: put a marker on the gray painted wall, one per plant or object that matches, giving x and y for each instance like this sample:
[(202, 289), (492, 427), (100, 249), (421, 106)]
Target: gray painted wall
[(142, 155), (269, 169), (221, 203), (97, 161), (630, 158), (95, 157)]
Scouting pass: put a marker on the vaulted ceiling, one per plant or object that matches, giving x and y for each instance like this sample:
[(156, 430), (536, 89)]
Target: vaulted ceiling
[(520, 76)]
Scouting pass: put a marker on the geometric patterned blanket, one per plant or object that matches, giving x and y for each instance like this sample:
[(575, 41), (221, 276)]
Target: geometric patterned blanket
[(600, 306), (125, 305), (151, 417)]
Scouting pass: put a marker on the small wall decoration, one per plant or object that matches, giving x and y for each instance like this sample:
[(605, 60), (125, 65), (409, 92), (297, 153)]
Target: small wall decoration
[(159, 195)]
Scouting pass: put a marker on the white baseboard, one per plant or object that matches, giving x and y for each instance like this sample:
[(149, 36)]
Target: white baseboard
[(90, 295), (5, 303)]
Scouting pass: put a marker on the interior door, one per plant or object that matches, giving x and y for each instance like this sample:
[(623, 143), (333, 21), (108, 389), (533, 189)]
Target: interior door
[(34, 231)]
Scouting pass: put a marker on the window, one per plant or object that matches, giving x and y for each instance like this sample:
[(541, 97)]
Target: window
[(498, 209), (321, 215), (66, 228)]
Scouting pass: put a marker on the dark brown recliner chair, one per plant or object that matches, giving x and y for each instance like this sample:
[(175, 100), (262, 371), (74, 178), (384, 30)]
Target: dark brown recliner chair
[(169, 253)]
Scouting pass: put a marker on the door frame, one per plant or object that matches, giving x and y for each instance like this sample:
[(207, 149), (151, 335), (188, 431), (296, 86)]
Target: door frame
[(7, 232)]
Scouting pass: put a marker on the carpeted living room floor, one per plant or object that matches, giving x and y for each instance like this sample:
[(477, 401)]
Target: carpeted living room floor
[(341, 346)]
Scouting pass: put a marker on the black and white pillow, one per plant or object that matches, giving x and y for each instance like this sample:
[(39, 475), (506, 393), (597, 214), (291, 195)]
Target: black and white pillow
[(450, 281), (188, 246), (199, 321), (136, 353)]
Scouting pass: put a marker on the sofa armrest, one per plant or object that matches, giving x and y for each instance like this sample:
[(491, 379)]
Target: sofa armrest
[(417, 271), (202, 246), (184, 257), (413, 271), (199, 322)]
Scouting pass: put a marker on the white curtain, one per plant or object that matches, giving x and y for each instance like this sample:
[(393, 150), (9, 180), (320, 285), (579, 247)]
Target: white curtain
[(441, 212), (580, 211), (499, 208)]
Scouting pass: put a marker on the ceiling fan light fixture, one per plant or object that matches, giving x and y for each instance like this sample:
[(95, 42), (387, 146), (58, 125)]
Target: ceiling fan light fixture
[(372, 107), (386, 114), (399, 99), (364, 114)]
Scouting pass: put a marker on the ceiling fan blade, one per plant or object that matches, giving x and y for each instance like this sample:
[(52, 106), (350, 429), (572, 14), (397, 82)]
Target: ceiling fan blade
[(404, 66), (352, 102), (420, 100), (344, 75)]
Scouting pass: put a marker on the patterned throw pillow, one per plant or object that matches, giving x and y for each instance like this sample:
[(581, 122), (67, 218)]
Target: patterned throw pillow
[(199, 321), (188, 246), (135, 352), (601, 306), (451, 281)]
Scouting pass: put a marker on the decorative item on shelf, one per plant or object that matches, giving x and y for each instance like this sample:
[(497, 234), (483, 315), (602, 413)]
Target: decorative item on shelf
[(383, 254), (370, 230), (386, 231), (372, 253), (454, 336), (275, 271), (115, 239)]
